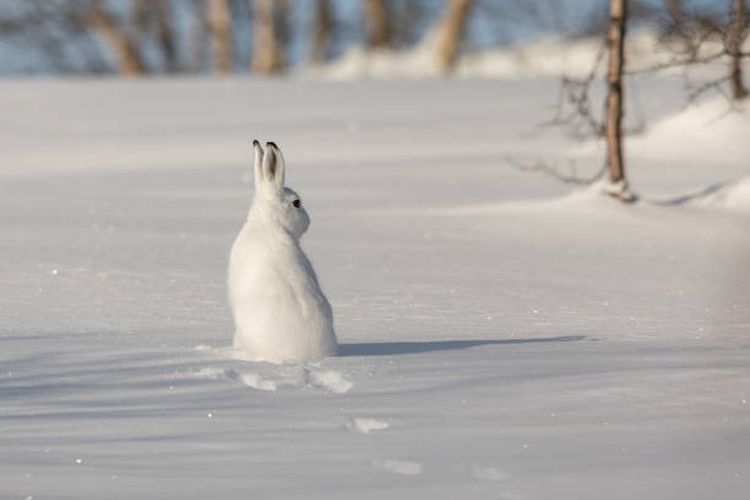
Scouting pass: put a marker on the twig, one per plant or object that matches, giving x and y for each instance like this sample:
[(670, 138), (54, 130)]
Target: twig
[(554, 172), (574, 95)]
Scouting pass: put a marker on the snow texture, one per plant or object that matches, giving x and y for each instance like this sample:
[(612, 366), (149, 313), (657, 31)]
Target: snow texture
[(519, 339), (367, 425)]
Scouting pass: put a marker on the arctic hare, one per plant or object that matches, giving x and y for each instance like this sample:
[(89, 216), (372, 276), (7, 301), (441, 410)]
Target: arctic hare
[(280, 312)]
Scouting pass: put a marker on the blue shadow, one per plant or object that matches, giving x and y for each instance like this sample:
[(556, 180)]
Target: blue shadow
[(397, 348)]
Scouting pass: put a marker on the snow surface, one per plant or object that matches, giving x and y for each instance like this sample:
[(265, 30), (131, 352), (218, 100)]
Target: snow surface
[(501, 337), (545, 56)]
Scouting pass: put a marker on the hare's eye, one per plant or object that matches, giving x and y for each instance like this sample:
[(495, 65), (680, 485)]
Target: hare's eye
[(296, 203)]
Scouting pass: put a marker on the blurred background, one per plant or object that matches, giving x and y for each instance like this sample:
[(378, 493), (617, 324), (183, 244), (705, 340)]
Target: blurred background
[(282, 37)]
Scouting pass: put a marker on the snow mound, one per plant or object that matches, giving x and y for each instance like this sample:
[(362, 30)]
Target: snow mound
[(734, 196), (249, 379), (289, 376), (358, 63), (329, 380), (207, 373), (255, 381), (710, 128), (595, 196), (367, 425), (551, 56)]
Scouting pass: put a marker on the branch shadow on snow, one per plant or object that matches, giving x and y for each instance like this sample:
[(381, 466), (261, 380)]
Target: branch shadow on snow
[(396, 348), (694, 196)]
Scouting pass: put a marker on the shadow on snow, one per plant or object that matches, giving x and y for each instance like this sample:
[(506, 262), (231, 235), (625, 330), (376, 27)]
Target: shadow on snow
[(395, 348), (694, 196)]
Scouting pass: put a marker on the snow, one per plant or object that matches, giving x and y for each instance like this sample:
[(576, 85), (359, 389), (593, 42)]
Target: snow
[(400, 467), (501, 336), (712, 126), (546, 56), (733, 196), (367, 425)]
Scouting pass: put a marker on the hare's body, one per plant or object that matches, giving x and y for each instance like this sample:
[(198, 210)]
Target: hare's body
[(280, 312)]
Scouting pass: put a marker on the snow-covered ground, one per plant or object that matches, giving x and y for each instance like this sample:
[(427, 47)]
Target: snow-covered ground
[(502, 336), (546, 56)]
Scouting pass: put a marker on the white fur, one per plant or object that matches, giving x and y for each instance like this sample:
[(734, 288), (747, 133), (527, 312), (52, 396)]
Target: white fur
[(280, 312)]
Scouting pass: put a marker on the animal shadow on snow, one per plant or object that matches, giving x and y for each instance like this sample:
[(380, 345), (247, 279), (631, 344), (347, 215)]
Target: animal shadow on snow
[(396, 348)]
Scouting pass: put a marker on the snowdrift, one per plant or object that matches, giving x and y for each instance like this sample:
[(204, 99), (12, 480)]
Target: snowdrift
[(733, 196), (551, 56), (712, 129), (705, 136)]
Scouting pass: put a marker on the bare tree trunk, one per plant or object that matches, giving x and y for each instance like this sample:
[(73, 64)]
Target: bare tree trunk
[(198, 37), (676, 16), (450, 31), (220, 23), (140, 14), (154, 18), (129, 58), (676, 12), (378, 22), (270, 34), (618, 18), (322, 28), (736, 37), (165, 34)]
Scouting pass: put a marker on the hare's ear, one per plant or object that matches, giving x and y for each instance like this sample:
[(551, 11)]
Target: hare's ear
[(274, 167), (257, 164)]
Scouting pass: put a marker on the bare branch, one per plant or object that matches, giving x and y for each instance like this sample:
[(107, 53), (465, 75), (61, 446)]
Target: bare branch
[(555, 171), (573, 106)]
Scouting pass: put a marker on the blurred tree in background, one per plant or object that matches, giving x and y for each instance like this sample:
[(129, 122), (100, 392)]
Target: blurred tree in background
[(271, 36), (378, 21), (735, 38), (146, 37), (688, 30), (219, 22), (321, 31), (141, 37)]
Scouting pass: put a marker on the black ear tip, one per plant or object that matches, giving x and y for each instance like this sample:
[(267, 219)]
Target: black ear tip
[(256, 143), (272, 144)]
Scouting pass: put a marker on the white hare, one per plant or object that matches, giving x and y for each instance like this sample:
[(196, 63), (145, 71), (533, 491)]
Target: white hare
[(280, 312)]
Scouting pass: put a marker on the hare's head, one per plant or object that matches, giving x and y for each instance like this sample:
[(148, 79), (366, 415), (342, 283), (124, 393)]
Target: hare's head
[(274, 202)]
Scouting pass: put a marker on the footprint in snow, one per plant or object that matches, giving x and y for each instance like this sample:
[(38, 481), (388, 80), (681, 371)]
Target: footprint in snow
[(250, 379), (330, 380), (489, 473), (399, 466), (208, 373), (253, 380), (366, 425)]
